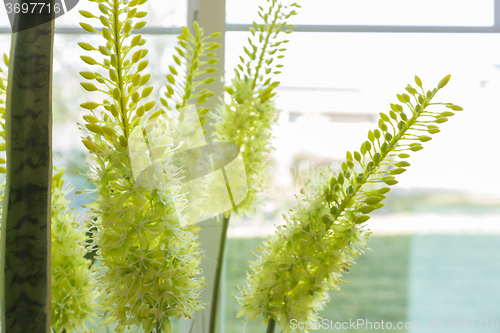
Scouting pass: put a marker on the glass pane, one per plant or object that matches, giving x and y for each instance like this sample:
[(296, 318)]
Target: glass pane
[(4, 44), (68, 94), (335, 84), (172, 13), (380, 12), (4, 19)]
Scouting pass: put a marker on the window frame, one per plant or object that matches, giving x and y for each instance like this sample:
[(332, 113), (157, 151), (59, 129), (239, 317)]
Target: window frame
[(193, 14)]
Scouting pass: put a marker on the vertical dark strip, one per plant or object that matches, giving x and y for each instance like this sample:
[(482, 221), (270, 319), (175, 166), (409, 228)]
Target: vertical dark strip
[(25, 261)]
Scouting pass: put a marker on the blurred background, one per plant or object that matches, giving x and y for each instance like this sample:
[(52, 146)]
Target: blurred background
[(436, 243)]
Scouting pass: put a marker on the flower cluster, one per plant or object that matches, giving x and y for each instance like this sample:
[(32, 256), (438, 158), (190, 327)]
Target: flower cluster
[(247, 118), (74, 291), (322, 235), (148, 260), (302, 261)]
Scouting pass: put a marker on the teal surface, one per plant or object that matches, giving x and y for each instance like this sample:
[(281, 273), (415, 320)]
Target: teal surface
[(454, 277)]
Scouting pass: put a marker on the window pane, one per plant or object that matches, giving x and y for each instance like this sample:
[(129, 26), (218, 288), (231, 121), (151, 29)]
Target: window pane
[(172, 13), (68, 95), (4, 44), (377, 12), (335, 84)]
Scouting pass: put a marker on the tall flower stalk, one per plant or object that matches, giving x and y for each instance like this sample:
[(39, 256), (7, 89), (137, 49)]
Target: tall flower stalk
[(323, 234), (148, 259), (247, 118)]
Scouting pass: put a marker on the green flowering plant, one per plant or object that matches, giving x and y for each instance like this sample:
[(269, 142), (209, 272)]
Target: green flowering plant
[(148, 259), (247, 118), (74, 292), (73, 286), (250, 113), (322, 235), (185, 88)]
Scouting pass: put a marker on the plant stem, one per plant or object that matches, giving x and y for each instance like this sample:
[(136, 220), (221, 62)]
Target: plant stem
[(270, 326), (218, 274), (119, 68), (157, 328)]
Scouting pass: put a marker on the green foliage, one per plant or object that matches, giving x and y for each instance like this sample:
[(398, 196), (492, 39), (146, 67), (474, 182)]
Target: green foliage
[(247, 118), (148, 259), (323, 234), (195, 54), (73, 284)]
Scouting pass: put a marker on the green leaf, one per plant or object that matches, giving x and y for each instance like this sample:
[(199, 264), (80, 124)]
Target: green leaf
[(88, 27), (86, 14), (140, 25), (165, 326), (88, 75), (444, 81), (146, 92), (170, 79), (362, 218), (418, 81), (367, 209), (86, 46), (89, 86), (89, 60), (371, 200), (456, 108), (142, 65), (94, 128), (89, 105)]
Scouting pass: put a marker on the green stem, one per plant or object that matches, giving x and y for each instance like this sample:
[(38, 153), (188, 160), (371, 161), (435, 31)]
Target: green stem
[(218, 274), (392, 145), (157, 328), (119, 68), (270, 326)]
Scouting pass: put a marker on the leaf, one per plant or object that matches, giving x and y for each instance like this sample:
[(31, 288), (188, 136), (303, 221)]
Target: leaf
[(88, 75), (444, 81), (146, 92), (86, 46), (165, 326), (88, 27), (89, 86), (86, 14), (89, 60), (89, 105)]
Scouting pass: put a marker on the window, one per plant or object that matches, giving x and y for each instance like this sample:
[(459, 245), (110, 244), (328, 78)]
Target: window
[(345, 63), (347, 60), (463, 13)]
